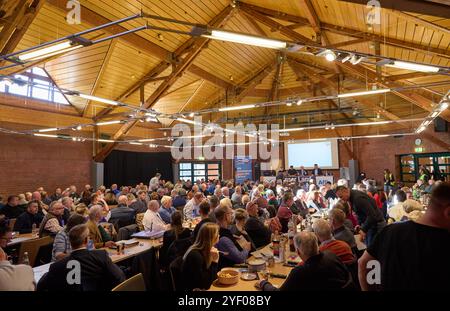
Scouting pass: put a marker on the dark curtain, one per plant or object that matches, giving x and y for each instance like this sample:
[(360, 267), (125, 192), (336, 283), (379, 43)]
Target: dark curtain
[(127, 168)]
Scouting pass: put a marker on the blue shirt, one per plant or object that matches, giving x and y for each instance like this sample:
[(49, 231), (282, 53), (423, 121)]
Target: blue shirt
[(166, 214)]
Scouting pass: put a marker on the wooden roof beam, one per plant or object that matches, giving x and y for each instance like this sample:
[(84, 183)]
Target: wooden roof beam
[(417, 99), (100, 75), (253, 23), (17, 24), (386, 40), (193, 47), (274, 25)]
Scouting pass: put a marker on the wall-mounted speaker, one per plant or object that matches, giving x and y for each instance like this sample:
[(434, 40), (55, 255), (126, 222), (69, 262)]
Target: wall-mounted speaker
[(440, 125)]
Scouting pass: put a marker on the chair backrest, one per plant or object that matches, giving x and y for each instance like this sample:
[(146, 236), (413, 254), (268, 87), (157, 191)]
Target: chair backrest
[(139, 219), (32, 248), (11, 223), (175, 274), (133, 284), (126, 232)]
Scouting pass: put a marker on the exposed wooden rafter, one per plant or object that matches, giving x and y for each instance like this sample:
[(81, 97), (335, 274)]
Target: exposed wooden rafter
[(192, 47), (100, 75), (17, 24), (410, 96)]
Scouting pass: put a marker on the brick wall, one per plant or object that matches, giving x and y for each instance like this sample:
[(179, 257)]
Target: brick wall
[(374, 155), (27, 163)]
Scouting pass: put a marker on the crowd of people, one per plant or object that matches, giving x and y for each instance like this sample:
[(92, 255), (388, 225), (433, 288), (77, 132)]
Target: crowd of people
[(402, 231)]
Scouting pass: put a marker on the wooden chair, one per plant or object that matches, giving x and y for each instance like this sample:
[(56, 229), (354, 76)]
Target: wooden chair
[(32, 247), (139, 220), (133, 284)]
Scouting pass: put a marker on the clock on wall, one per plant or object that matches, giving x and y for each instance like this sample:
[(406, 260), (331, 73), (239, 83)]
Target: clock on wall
[(418, 142)]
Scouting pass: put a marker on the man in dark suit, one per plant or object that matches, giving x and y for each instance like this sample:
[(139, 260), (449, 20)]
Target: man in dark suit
[(82, 270), (317, 171), (122, 215)]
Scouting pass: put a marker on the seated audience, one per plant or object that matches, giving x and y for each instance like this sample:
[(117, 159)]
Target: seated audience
[(175, 233), (61, 244), (97, 233), (236, 198), (200, 262), (140, 205), (340, 231), (152, 220), (235, 250), (284, 211), (53, 221), (122, 215), (191, 208), (414, 255), (180, 199), (319, 271), (15, 277), (238, 228), (204, 210), (166, 210), (24, 223), (328, 243), (11, 209), (258, 232), (67, 202), (98, 272)]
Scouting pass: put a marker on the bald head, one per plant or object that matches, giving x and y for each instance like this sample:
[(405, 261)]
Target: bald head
[(122, 199), (36, 196), (95, 213)]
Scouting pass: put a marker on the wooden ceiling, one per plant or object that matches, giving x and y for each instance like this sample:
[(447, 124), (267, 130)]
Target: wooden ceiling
[(209, 73)]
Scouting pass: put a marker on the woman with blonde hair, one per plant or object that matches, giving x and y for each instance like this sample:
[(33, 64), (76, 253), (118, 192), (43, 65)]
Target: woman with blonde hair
[(200, 261)]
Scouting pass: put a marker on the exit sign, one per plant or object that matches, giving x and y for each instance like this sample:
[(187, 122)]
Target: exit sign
[(419, 149)]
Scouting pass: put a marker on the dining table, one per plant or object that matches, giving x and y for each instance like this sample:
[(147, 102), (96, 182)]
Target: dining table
[(140, 247), (276, 273)]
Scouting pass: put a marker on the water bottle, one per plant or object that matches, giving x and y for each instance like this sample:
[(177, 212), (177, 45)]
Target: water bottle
[(33, 228), (90, 245), (25, 259)]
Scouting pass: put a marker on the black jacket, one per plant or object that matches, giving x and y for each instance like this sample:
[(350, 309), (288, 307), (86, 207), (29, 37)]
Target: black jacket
[(98, 273), (365, 208), (259, 233), (24, 223), (11, 212), (122, 216), (194, 272), (321, 272), (168, 239)]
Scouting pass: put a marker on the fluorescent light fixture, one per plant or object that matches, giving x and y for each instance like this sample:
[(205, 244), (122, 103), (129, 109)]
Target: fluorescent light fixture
[(354, 94), (371, 123), (48, 130), (291, 130), (346, 58), (413, 66), (299, 102), (421, 129), (317, 139), (289, 104), (192, 114), (45, 135), (79, 127), (229, 131), (375, 136), (151, 114), (435, 114), (147, 140), (153, 146), (49, 51), (99, 99), (133, 143), (187, 121), (444, 106), (246, 39), (108, 122), (236, 108), (105, 140), (151, 119)]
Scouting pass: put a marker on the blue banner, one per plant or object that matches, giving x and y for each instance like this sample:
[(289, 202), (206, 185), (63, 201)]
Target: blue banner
[(243, 169)]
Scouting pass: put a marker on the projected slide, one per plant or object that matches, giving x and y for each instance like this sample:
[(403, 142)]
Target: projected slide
[(323, 153)]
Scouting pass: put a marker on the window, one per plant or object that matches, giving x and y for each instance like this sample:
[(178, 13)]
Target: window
[(437, 163), (199, 170), (36, 84)]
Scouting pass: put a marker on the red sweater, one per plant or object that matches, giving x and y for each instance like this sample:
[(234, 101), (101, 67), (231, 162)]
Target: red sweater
[(340, 249)]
